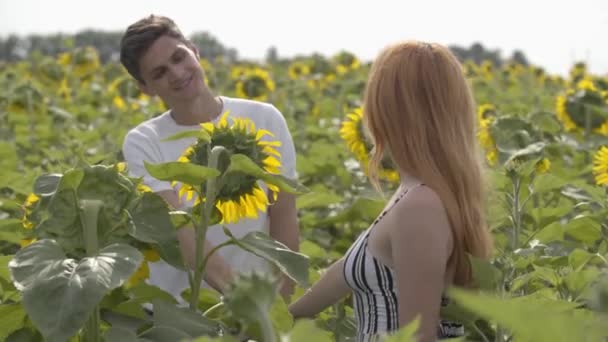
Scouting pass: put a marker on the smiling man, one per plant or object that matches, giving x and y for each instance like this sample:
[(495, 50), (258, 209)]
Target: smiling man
[(165, 64)]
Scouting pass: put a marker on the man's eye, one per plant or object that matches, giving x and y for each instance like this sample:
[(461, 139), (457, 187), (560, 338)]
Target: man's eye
[(158, 74), (178, 57)]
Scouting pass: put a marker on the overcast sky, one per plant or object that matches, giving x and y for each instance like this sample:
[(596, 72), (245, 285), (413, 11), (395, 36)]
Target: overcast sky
[(552, 34)]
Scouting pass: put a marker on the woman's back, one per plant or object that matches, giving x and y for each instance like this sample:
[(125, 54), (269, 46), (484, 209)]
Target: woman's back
[(374, 288)]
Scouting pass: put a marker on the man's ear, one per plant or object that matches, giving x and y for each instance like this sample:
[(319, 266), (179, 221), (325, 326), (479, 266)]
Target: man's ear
[(144, 89)]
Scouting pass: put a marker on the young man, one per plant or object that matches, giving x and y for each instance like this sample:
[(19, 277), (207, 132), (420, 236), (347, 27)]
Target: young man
[(166, 64)]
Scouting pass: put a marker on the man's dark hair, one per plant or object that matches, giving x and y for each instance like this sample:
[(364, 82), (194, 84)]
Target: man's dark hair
[(140, 36)]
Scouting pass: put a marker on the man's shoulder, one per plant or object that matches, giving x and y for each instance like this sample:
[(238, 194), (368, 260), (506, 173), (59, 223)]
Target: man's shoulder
[(252, 108)]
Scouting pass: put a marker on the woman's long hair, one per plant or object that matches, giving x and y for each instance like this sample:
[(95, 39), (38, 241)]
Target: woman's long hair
[(419, 109)]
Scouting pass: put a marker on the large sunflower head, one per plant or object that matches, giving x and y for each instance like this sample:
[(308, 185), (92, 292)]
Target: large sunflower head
[(353, 134), (581, 107), (600, 166), (240, 195), (255, 84)]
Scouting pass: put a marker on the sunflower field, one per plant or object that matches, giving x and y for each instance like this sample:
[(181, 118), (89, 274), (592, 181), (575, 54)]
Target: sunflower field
[(77, 233)]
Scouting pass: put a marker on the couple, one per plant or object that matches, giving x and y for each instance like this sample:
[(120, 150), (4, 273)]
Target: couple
[(418, 109)]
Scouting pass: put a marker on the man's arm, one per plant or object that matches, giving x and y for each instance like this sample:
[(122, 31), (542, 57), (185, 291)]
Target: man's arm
[(217, 272), (284, 228)]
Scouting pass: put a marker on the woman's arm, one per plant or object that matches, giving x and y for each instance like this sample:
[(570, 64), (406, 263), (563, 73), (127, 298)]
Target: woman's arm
[(325, 292), (420, 250)]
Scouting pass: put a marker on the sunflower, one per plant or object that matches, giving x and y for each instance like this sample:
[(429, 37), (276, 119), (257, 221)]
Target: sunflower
[(578, 104), (240, 195), (83, 61), (485, 116), (28, 206), (345, 62), (543, 165), (352, 133), (298, 69), (255, 84), (143, 271), (486, 141), (600, 166), (577, 72)]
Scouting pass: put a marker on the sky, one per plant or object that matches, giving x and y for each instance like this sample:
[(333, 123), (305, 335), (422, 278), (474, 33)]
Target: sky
[(552, 34)]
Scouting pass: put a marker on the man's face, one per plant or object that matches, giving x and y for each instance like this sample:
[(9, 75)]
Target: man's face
[(171, 70)]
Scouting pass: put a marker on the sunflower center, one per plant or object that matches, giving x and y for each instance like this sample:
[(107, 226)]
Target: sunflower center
[(589, 105), (235, 183), (254, 86)]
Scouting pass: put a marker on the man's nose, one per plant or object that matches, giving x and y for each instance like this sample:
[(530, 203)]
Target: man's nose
[(176, 72)]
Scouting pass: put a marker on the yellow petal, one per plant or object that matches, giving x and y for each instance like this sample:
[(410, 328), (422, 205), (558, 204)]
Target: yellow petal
[(271, 151), (262, 132)]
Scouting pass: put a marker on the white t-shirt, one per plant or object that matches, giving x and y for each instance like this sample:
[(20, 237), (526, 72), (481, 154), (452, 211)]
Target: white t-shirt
[(144, 142)]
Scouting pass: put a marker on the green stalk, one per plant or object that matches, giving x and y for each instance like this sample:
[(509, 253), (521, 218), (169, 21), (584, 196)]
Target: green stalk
[(201, 229), (89, 212), (516, 212), (267, 330)]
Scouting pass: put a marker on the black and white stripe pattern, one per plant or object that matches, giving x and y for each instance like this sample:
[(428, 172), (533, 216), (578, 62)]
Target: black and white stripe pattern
[(374, 291)]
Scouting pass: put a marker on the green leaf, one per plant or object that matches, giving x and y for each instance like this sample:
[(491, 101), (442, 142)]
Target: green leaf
[(164, 334), (579, 258), (293, 264), (281, 318), (10, 230), (187, 173), (59, 293), (13, 319), (584, 229), (486, 275), (119, 334), (151, 221), (312, 250), (530, 150), (524, 316), (578, 281), (46, 185), (546, 121), (4, 271), (306, 330), (242, 163), (184, 320), (8, 155), (145, 293), (317, 200), (407, 333), (71, 179), (200, 135), (179, 218), (250, 299), (550, 233), (547, 274), (124, 321), (547, 182)]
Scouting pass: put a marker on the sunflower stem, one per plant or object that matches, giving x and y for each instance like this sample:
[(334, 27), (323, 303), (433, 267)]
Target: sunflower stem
[(89, 212), (201, 229)]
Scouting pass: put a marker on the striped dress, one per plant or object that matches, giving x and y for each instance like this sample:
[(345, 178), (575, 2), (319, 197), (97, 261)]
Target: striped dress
[(375, 292)]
